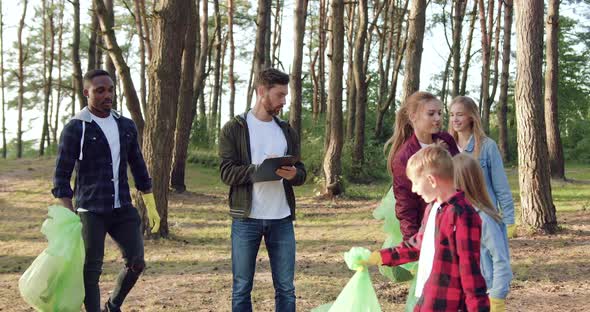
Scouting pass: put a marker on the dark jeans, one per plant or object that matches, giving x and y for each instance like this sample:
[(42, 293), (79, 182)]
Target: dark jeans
[(123, 225), (279, 238)]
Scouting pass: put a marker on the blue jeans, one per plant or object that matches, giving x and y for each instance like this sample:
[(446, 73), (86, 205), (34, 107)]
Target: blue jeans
[(279, 238)]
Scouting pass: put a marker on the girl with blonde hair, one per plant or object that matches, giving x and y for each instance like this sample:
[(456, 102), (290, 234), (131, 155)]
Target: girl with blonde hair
[(466, 128), (494, 254)]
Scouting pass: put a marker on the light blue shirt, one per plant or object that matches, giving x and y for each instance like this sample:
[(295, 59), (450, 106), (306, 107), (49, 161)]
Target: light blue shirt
[(492, 166), (495, 256)]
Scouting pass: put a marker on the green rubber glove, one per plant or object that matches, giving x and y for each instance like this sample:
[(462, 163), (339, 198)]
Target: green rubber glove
[(374, 259), (152, 213), (497, 305)]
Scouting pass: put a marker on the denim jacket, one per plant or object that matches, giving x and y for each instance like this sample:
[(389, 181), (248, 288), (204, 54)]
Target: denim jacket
[(495, 256), (84, 148), (492, 166)]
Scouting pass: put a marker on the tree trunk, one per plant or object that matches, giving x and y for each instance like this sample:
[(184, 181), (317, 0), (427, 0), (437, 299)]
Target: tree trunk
[(94, 34), (467, 61), (139, 28), (503, 101), (538, 210), (260, 49), (296, 87), (350, 86), (276, 36), (232, 53), (146, 26), (496, 57), (170, 20), (416, 24), (200, 74), (333, 155), (116, 55), (459, 14), (361, 91), (109, 63), (184, 117), (21, 79), (4, 151), (47, 71), (217, 75), (551, 78), (59, 67), (485, 72), (76, 56), (322, 28)]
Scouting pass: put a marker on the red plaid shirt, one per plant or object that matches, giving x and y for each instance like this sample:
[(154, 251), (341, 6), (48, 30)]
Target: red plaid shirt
[(455, 282)]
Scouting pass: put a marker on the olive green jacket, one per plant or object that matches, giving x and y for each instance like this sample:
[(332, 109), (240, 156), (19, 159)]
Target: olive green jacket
[(236, 166)]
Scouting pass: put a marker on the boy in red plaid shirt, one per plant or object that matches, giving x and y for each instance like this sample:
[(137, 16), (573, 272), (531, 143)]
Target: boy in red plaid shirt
[(448, 242)]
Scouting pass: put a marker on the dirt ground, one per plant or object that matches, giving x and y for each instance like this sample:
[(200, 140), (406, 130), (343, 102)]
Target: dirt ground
[(191, 271)]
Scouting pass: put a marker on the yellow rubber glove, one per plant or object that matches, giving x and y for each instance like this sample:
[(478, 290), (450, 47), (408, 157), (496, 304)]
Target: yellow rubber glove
[(374, 259), (511, 230), (152, 213), (497, 305)]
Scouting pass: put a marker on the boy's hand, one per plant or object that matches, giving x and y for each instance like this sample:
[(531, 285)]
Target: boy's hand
[(497, 305), (374, 259)]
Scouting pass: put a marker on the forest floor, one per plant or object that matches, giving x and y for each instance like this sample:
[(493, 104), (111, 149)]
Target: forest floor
[(191, 271)]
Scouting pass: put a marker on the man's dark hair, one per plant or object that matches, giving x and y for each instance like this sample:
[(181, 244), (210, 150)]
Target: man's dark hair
[(95, 73), (269, 77)]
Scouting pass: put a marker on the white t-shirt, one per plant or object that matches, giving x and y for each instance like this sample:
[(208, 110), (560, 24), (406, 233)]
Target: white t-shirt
[(423, 145), (267, 140), (110, 129), (426, 251)]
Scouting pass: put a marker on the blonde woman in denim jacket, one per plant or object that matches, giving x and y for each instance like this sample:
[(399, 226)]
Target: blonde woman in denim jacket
[(465, 126), (494, 255)]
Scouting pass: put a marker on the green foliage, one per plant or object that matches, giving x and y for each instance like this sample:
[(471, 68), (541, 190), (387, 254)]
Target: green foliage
[(204, 157)]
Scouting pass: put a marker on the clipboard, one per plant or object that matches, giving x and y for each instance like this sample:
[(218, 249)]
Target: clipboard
[(266, 170)]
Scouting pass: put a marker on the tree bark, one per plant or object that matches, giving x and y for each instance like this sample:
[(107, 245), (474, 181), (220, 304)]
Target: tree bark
[(59, 68), (146, 26), (170, 20), (200, 74), (4, 151), (115, 52), (551, 102), (467, 61), (296, 83), (494, 83), (276, 36), (333, 155), (503, 101), (538, 210), (184, 117), (261, 48), (232, 53), (350, 86), (109, 63), (21, 79), (94, 34), (322, 57), (361, 91), (76, 56), (217, 75), (47, 70), (485, 72), (139, 27), (416, 24), (459, 14)]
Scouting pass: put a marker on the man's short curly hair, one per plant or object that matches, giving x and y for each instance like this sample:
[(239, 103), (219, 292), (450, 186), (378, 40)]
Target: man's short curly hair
[(270, 77)]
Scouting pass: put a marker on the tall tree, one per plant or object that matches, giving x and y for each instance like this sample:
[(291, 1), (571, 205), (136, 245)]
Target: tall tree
[(21, 79), (416, 25), (142, 51), (276, 35), (486, 38), (296, 88), (48, 31), (184, 116), (261, 50), (551, 78), (232, 56), (361, 91), (200, 68), (92, 40), (538, 210), (4, 151), (216, 87), (116, 55), (109, 63), (458, 15), (60, 22), (350, 87), (322, 28), (77, 78), (164, 78), (333, 155), (503, 100), (467, 61)]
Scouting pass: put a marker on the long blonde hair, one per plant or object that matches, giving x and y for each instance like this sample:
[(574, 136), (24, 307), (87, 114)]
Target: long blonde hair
[(469, 179), (403, 128), (473, 112)]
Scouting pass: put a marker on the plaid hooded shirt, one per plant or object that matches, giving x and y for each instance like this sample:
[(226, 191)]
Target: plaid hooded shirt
[(83, 147), (455, 282)]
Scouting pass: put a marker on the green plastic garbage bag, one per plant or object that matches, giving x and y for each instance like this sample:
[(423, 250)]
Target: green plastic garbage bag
[(391, 226), (54, 281), (358, 295)]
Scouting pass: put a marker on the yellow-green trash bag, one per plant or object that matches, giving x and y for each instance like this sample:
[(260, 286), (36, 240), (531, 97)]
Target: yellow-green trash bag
[(358, 295), (391, 226), (54, 281)]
